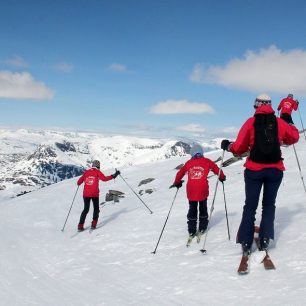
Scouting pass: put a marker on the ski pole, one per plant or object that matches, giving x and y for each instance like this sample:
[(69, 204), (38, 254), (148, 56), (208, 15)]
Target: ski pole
[(299, 167), (70, 208), (213, 203), (136, 194), (302, 123), (154, 252), (228, 231)]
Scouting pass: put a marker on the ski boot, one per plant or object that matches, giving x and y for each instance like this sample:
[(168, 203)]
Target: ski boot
[(80, 227), (190, 238)]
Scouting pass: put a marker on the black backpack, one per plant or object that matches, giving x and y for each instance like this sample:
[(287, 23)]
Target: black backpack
[(266, 147)]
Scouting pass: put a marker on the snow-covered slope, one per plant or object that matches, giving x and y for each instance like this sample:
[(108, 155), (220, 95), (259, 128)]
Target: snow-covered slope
[(32, 159), (113, 265)]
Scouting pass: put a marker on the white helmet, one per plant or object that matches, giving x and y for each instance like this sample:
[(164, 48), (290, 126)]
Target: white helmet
[(262, 99)]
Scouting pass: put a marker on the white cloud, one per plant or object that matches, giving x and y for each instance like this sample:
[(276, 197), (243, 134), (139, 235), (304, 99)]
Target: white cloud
[(117, 67), (230, 130), (16, 61), (197, 74), (270, 70), (23, 86), (192, 127), (181, 107), (64, 67)]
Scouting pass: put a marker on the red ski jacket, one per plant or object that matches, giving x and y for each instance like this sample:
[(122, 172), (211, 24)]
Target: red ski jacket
[(197, 184), (287, 134), (91, 179), (287, 105)]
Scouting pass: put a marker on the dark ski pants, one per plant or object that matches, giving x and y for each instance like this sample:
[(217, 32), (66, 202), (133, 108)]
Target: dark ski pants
[(192, 216), (287, 118), (85, 211), (270, 179)]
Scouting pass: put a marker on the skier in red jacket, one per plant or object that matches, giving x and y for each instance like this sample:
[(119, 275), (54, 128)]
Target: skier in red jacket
[(91, 179), (286, 106), (261, 136), (197, 188)]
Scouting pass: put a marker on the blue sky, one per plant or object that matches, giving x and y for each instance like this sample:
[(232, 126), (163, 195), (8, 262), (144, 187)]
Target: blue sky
[(155, 68)]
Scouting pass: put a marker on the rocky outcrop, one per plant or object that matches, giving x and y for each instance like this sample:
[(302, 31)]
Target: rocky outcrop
[(143, 191), (178, 167), (114, 195), (66, 146), (146, 181)]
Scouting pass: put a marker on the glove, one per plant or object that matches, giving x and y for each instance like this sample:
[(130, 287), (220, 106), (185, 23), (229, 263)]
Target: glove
[(225, 144), (297, 102), (116, 174), (222, 179), (177, 185)]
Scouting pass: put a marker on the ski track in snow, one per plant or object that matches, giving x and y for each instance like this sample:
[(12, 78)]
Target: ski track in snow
[(113, 265)]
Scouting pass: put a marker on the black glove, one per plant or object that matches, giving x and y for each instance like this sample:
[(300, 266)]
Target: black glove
[(297, 102), (177, 185), (222, 179), (116, 174), (225, 144)]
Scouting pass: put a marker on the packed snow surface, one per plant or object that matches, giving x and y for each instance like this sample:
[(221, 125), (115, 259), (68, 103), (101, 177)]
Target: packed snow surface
[(113, 265)]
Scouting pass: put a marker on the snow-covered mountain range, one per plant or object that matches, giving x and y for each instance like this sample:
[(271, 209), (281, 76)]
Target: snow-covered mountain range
[(31, 159)]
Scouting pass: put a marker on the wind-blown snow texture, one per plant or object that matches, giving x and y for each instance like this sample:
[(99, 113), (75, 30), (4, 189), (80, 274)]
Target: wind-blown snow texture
[(113, 265)]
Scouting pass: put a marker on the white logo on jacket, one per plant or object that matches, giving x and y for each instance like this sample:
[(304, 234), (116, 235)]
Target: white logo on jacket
[(287, 105), (196, 173), (90, 180)]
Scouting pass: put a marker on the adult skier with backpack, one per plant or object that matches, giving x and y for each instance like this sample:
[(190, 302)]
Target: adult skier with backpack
[(286, 106), (261, 136), (91, 178), (198, 168)]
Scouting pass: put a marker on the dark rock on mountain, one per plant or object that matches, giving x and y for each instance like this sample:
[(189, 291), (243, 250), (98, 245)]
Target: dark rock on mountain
[(149, 191), (66, 146), (43, 152), (180, 148), (146, 181), (114, 195), (179, 167)]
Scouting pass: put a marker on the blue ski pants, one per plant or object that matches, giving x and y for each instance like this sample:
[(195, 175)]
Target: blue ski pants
[(270, 179)]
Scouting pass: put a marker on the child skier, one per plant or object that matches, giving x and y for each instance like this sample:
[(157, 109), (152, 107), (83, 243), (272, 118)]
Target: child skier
[(286, 106), (197, 188), (91, 179)]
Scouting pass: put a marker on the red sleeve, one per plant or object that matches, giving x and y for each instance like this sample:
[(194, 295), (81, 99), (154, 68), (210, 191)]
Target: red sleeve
[(104, 178), (241, 145), (80, 180), (280, 105), (215, 169), (295, 106), (180, 174)]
